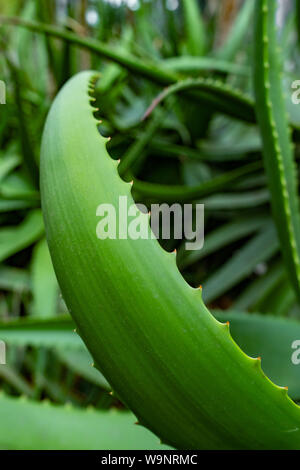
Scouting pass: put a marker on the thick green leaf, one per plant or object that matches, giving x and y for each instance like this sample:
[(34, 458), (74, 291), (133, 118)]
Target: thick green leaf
[(165, 355), (272, 340)]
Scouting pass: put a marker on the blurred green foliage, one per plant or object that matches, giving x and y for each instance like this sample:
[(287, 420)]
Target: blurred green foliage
[(198, 142)]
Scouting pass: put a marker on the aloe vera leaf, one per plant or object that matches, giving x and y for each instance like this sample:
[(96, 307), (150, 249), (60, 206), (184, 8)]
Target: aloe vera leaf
[(272, 339), (194, 28), (275, 132), (44, 283), (14, 239), (168, 359), (174, 193), (260, 248), (15, 380), (219, 238), (217, 94), (64, 428), (188, 64), (126, 60)]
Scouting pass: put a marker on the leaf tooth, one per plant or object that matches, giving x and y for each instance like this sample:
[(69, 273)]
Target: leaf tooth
[(139, 421), (114, 394), (257, 361)]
